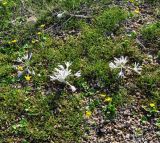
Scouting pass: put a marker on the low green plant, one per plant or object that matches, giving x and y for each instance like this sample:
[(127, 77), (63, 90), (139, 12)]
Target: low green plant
[(151, 110), (150, 34), (109, 111), (94, 104), (21, 126), (110, 19), (158, 123), (144, 119), (149, 82)]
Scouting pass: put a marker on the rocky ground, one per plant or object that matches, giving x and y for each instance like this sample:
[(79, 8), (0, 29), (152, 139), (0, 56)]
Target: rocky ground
[(93, 103), (127, 127)]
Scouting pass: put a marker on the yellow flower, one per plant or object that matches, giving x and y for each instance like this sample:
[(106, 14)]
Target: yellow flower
[(152, 105), (108, 99), (20, 68), (14, 41), (28, 77), (39, 33), (137, 11), (42, 26), (88, 114), (131, 1), (33, 41)]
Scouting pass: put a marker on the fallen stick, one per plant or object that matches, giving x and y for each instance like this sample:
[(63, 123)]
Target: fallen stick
[(80, 16)]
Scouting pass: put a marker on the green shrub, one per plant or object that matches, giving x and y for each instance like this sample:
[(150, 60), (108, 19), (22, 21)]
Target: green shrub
[(39, 118), (149, 83), (109, 20), (150, 34)]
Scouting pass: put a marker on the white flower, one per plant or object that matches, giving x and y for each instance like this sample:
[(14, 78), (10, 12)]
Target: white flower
[(33, 72), (26, 57), (120, 62), (112, 65), (62, 73), (78, 74), (68, 64), (19, 60), (137, 68), (30, 71), (121, 74)]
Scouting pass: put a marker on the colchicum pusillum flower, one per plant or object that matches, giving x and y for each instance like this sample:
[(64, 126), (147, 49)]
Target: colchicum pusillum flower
[(137, 68), (25, 58), (62, 73), (78, 74), (121, 74), (120, 63), (23, 67), (27, 70)]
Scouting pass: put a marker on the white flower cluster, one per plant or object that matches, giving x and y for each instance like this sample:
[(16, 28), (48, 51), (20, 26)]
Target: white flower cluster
[(23, 65), (120, 63), (62, 73), (25, 58)]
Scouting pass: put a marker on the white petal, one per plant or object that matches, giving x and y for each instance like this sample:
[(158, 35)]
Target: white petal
[(19, 60), (137, 68), (112, 65), (29, 55), (68, 64), (33, 72), (52, 78), (78, 74), (121, 74), (20, 73), (25, 57), (57, 70)]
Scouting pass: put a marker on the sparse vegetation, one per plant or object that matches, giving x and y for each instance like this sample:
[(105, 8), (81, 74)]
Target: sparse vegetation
[(72, 70)]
